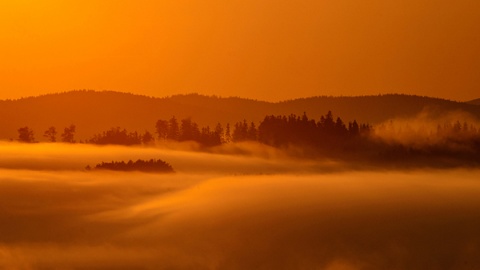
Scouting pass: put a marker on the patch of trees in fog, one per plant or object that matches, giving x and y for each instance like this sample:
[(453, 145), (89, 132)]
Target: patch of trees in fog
[(152, 165), (121, 137), (294, 130)]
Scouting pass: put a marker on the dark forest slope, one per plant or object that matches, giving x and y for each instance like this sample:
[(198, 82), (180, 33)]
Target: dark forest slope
[(474, 102), (93, 112)]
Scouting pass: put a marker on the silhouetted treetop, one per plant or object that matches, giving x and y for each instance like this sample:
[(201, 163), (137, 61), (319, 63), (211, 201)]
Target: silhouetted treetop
[(25, 134), (51, 134), (189, 130), (68, 134)]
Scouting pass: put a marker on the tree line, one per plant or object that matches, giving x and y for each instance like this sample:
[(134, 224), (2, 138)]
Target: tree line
[(275, 130), (188, 130)]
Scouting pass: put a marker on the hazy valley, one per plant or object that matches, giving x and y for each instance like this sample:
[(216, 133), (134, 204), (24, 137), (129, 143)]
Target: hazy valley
[(263, 210), (402, 193)]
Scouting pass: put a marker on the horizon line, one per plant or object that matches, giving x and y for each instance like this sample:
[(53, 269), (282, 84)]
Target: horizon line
[(225, 97)]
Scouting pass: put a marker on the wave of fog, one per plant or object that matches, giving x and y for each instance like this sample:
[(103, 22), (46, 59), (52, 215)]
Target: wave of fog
[(240, 158), (367, 220), (428, 127)]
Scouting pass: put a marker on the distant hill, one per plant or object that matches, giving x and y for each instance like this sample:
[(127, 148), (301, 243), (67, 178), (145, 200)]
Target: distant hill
[(93, 112), (474, 102)]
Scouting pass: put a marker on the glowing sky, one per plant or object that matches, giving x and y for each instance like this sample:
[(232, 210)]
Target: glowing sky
[(264, 49)]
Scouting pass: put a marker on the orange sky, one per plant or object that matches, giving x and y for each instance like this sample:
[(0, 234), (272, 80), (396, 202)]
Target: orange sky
[(263, 49)]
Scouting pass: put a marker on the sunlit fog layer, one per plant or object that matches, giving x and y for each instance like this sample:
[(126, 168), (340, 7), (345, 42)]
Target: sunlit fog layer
[(429, 128), (258, 210), (241, 158)]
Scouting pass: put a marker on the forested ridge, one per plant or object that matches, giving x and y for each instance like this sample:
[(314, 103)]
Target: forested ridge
[(93, 112)]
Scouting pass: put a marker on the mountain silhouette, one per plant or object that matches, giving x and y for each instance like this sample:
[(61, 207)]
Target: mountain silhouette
[(96, 111)]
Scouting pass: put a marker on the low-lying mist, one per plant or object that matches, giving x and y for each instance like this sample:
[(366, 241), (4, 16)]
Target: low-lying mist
[(429, 128), (257, 209), (240, 158), (98, 220)]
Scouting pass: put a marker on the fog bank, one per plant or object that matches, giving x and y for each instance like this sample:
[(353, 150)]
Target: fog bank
[(366, 220), (239, 158)]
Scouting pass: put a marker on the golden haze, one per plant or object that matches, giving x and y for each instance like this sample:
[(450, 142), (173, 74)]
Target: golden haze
[(259, 49), (217, 212)]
